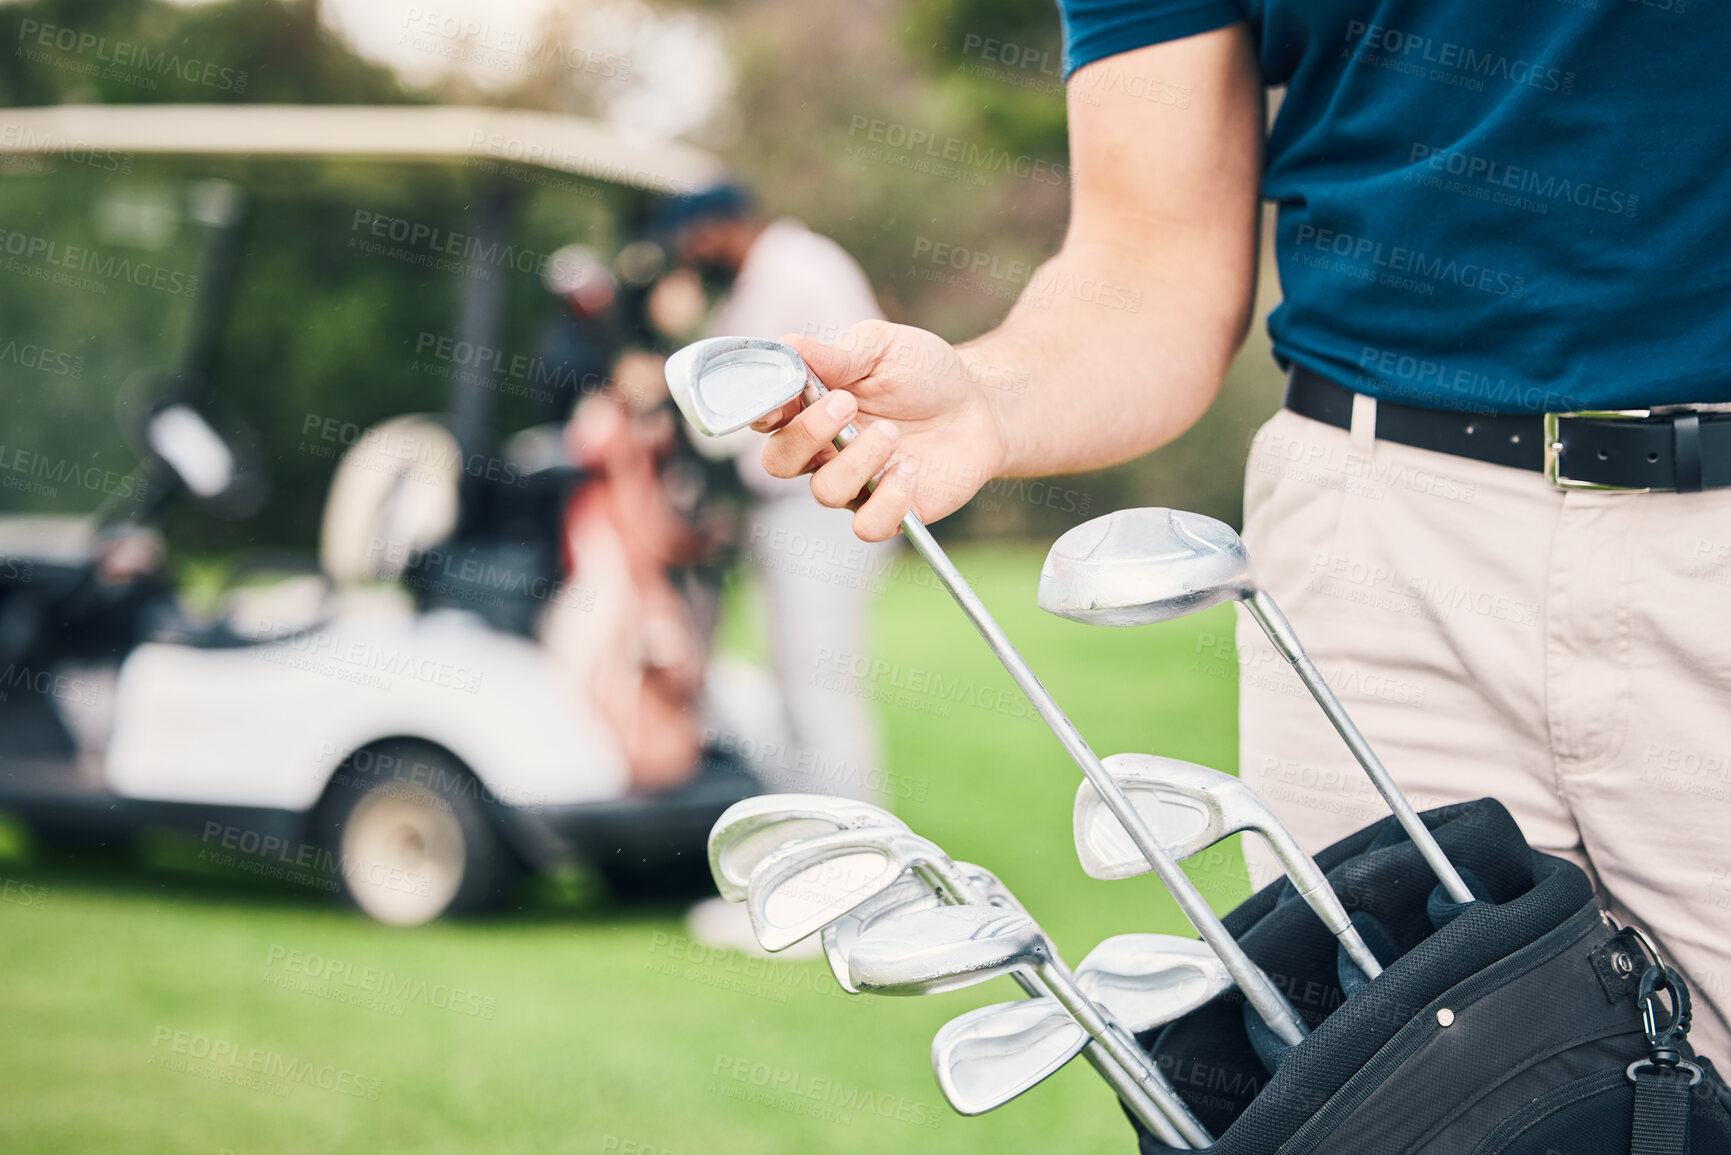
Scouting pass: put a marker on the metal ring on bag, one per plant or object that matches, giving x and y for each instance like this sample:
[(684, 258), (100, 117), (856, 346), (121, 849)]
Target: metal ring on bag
[(1694, 1071)]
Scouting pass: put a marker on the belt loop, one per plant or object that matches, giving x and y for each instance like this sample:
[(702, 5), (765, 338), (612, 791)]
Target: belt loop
[(1363, 424), (1686, 443)]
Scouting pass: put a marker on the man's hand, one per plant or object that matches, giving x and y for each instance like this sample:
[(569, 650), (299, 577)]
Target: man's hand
[(926, 424), (1119, 342)]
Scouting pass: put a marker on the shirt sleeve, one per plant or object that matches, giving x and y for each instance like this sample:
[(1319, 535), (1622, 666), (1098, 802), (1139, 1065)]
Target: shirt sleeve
[(1095, 29)]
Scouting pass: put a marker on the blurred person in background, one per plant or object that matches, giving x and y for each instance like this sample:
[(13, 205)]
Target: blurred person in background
[(1497, 631), (776, 277), (580, 343)]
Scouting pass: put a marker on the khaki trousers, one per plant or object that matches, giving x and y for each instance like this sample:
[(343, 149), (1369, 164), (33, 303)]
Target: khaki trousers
[(1566, 653)]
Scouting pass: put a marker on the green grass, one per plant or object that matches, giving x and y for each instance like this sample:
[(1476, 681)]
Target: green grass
[(606, 1030)]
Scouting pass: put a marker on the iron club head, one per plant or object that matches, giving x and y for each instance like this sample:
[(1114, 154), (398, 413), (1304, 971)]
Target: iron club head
[(906, 895), (1189, 808), (753, 827), (804, 886), (987, 1057), (1148, 980), (723, 384), (945, 949), (1136, 566)]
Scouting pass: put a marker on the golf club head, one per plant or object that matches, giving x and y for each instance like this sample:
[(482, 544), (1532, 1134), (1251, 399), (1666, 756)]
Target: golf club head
[(1186, 806), (1137, 566), (906, 895), (987, 1057), (752, 827), (946, 949), (723, 384), (1148, 980), (804, 886)]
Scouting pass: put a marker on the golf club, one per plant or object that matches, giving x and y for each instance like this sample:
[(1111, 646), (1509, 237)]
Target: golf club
[(1191, 808), (725, 383), (806, 885), (987, 1057), (752, 827), (1149, 980), (1137, 566)]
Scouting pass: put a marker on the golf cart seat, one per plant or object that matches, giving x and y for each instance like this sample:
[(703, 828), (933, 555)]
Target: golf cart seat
[(394, 494)]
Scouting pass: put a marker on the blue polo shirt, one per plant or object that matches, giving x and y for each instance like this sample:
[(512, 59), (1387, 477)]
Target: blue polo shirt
[(1513, 205)]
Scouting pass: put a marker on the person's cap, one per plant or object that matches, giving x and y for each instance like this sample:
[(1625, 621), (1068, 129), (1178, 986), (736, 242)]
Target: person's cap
[(723, 201)]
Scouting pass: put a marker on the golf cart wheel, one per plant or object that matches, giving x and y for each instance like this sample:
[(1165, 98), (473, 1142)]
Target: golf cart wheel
[(412, 846)]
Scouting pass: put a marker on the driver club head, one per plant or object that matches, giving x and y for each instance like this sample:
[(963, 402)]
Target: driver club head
[(753, 827), (804, 886), (1187, 807), (987, 1057), (1149, 980), (1137, 566), (945, 949), (723, 384)]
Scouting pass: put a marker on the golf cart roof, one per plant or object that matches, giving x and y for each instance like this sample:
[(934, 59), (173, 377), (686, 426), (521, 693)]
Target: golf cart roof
[(548, 140)]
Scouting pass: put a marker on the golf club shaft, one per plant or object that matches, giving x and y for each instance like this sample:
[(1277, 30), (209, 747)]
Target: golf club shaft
[(1121, 1064), (1258, 990), (1281, 633), (1257, 987)]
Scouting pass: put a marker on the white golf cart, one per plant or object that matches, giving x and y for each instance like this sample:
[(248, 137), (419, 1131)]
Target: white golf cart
[(359, 726)]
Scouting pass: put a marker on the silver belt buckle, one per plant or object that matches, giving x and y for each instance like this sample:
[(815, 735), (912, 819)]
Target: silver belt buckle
[(1554, 451)]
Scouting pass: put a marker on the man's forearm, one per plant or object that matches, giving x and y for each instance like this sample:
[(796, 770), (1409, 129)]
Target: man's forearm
[(1112, 352)]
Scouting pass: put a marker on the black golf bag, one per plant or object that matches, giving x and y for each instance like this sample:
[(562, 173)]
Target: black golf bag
[(1512, 1026)]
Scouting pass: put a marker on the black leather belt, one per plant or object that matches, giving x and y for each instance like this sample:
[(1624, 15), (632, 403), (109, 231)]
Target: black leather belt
[(1633, 451)]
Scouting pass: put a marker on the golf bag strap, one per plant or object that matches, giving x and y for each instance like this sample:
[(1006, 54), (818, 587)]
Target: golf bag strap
[(1661, 1111)]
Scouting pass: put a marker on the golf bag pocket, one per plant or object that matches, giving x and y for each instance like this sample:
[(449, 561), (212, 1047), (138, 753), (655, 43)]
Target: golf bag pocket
[(1513, 1028)]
